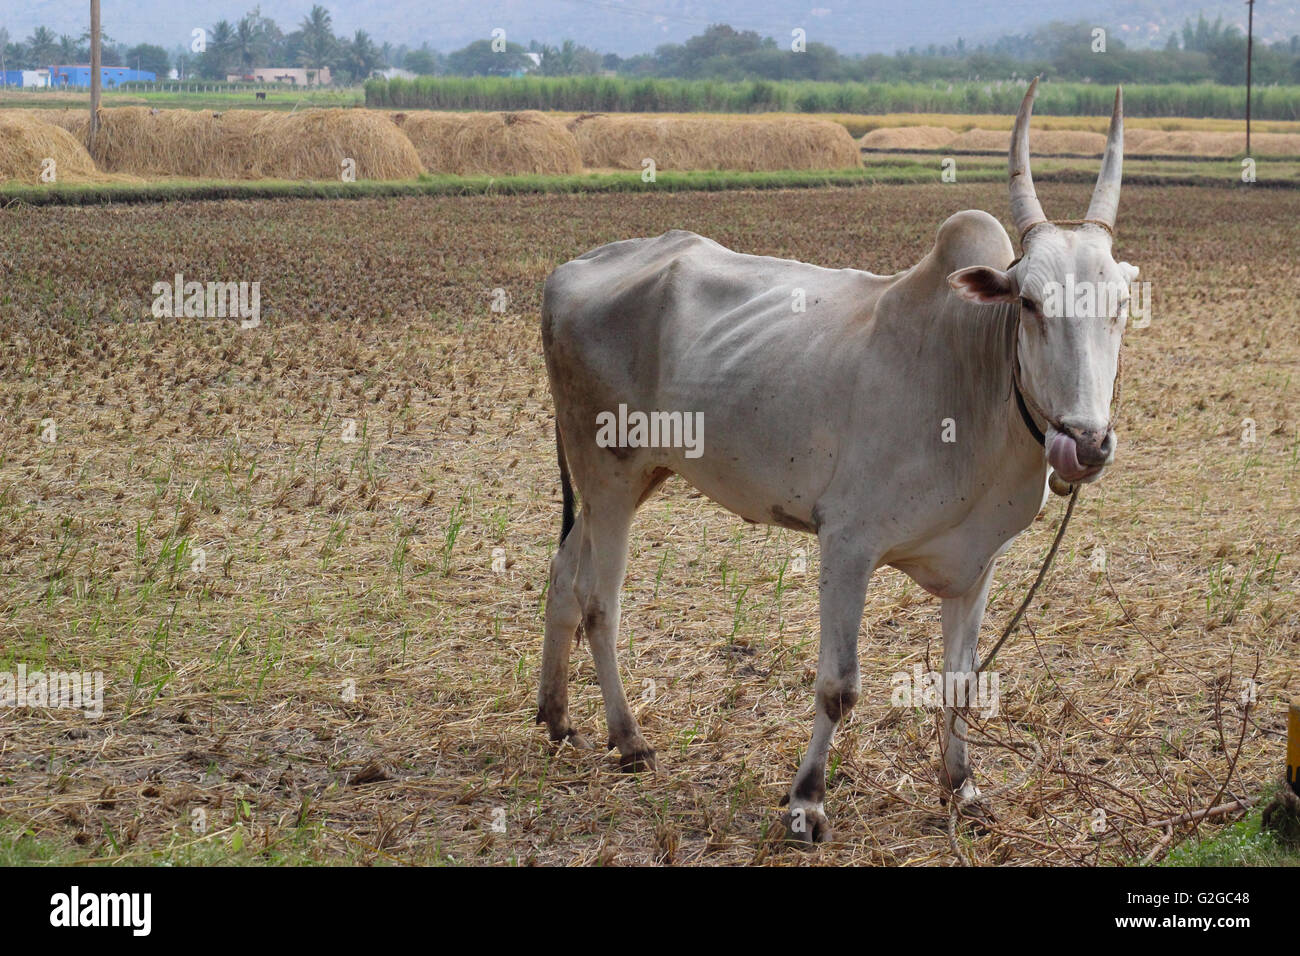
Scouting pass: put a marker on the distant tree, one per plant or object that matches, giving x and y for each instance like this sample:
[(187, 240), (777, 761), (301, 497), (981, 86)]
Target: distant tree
[(146, 56), (249, 41), (359, 57), (220, 58), (479, 59), (317, 47), (274, 46), (67, 52), (569, 60), (42, 47), (423, 61)]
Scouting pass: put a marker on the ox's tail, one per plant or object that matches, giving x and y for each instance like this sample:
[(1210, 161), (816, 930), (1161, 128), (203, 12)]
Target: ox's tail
[(566, 486)]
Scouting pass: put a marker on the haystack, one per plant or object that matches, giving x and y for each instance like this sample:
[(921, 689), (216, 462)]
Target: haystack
[(622, 142), (313, 144), (246, 144), (1075, 142), (985, 141), (1044, 142), (1136, 138), (908, 137), (500, 144), (1194, 143), (198, 144), (1216, 144), (27, 144), (1274, 144)]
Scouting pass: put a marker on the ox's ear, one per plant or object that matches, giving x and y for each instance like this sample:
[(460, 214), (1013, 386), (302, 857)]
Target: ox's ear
[(983, 285)]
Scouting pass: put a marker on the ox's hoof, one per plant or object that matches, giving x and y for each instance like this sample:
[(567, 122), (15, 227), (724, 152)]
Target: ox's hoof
[(979, 812), (561, 732), (806, 826), (971, 804), (637, 761)]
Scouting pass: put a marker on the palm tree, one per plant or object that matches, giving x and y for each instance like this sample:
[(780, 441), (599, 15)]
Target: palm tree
[(42, 47), (67, 49), (247, 41), (318, 45), (362, 56), (219, 56)]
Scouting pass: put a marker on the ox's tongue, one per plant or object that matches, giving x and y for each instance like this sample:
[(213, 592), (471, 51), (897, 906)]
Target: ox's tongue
[(1063, 455)]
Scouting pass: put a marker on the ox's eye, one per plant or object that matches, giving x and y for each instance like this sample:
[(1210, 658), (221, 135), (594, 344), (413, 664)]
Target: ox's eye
[(1028, 306)]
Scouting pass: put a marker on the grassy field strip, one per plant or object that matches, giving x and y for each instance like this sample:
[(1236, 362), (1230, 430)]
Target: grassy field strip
[(860, 123), (625, 94), (275, 99), (1129, 161), (913, 171), (856, 123)]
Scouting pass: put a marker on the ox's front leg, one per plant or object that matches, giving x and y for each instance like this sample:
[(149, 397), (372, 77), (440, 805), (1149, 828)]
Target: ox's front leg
[(962, 617), (845, 571)]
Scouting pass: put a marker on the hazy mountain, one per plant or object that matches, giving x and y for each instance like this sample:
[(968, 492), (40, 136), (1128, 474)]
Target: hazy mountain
[(637, 26)]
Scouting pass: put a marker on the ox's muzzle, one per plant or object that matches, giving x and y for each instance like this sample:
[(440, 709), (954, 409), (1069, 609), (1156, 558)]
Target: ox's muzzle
[(1080, 454)]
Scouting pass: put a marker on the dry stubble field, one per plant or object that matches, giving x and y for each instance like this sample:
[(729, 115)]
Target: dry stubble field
[(366, 566)]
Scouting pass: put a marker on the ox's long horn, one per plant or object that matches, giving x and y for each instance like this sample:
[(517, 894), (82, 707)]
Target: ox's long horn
[(1105, 198), (1025, 208)]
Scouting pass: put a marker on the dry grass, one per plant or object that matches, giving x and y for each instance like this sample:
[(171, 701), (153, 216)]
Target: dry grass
[(246, 144), (500, 144), (1042, 142), (1217, 144), (1096, 124), (1136, 138), (141, 141), (859, 124), (1138, 141), (623, 141), (908, 137), (313, 144), (27, 144), (367, 566)]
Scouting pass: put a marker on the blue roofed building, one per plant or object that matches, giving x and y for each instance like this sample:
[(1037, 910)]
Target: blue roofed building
[(109, 76), (28, 79)]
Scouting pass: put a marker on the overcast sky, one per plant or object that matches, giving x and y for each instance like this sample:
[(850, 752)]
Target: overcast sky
[(638, 26)]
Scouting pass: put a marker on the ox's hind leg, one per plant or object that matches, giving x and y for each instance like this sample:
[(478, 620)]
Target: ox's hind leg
[(845, 572), (962, 617), (607, 523), (563, 616)]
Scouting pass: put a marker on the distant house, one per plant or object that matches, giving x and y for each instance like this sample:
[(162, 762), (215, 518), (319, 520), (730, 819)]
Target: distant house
[(27, 79), (289, 75), (109, 76), (395, 73)]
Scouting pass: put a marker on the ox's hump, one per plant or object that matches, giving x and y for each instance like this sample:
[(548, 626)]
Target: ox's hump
[(972, 238)]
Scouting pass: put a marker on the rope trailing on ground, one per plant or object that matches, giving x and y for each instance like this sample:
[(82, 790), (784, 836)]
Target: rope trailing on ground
[(1042, 573)]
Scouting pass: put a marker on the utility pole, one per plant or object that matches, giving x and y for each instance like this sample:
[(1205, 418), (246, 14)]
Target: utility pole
[(94, 72), (1250, 41)]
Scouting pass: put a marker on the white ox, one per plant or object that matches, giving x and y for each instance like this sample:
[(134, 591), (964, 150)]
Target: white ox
[(831, 421)]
